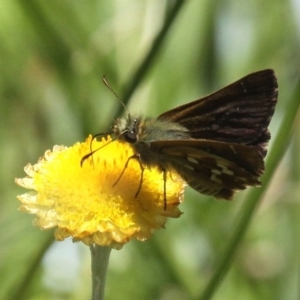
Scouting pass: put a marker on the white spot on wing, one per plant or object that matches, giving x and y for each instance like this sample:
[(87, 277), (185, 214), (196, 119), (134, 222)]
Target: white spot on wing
[(214, 178), (192, 160), (225, 170), (189, 167), (232, 148), (217, 172), (243, 87)]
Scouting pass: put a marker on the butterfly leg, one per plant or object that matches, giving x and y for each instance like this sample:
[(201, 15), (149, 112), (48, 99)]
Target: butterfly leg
[(125, 167), (165, 188), (138, 158)]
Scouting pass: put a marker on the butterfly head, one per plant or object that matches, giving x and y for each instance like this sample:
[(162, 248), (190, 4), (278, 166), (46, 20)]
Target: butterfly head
[(127, 129)]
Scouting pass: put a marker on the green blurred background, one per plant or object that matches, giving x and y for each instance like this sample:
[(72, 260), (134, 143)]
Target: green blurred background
[(156, 55)]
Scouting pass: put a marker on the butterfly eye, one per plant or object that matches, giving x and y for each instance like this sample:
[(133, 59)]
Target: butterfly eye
[(130, 137), (130, 134)]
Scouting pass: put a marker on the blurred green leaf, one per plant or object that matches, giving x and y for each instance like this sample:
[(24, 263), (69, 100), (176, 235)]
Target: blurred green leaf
[(157, 54)]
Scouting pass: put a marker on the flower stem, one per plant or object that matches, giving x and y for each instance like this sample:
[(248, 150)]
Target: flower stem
[(100, 258), (150, 57)]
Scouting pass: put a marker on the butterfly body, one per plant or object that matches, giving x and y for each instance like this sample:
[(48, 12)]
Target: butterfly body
[(206, 166)]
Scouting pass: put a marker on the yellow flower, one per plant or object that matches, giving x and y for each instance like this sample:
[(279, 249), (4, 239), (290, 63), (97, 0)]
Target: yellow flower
[(85, 203)]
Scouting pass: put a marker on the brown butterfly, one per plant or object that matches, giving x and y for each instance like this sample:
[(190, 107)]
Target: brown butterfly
[(217, 144)]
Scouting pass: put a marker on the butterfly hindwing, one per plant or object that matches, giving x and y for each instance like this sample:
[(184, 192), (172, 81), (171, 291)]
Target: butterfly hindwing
[(213, 168)]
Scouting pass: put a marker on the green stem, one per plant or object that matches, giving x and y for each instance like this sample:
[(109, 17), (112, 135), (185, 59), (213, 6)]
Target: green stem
[(100, 257), (276, 153), (157, 43), (22, 287)]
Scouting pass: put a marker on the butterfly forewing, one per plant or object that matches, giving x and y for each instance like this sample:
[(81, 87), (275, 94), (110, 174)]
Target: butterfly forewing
[(239, 113)]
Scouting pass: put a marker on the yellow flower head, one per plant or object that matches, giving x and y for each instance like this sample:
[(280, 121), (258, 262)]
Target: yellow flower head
[(85, 202)]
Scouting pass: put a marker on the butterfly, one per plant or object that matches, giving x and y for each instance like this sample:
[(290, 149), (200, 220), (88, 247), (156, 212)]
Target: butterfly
[(217, 144)]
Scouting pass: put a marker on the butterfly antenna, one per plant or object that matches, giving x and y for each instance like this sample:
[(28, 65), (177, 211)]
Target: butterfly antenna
[(108, 86)]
